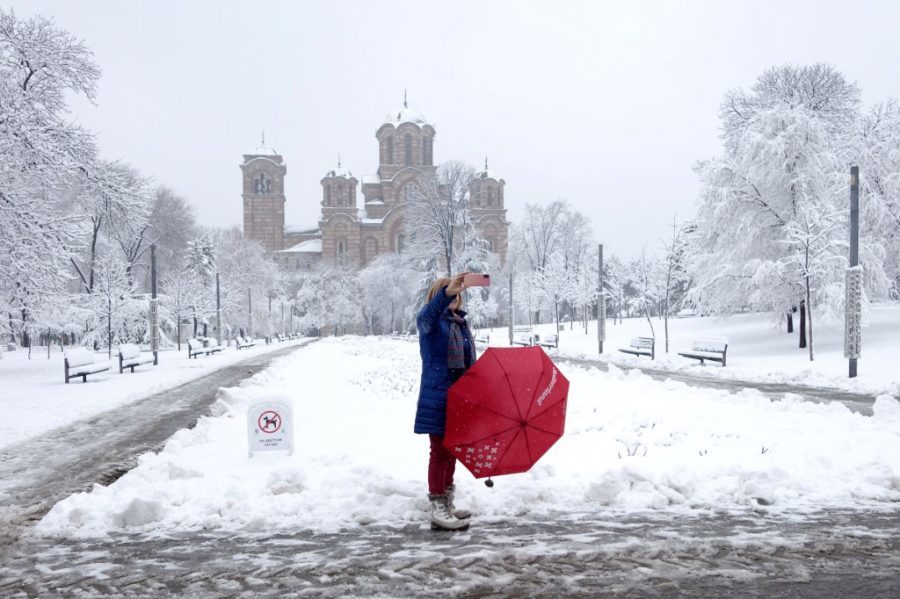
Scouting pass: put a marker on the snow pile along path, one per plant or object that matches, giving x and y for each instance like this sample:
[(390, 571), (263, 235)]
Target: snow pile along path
[(631, 444)]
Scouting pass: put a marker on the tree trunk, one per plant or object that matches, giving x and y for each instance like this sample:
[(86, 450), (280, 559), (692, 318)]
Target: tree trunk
[(556, 309), (809, 318), (178, 330), (802, 324), (666, 316), (109, 330), (790, 322)]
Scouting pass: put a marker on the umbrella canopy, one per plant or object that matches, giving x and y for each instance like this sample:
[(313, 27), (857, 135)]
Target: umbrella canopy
[(506, 411)]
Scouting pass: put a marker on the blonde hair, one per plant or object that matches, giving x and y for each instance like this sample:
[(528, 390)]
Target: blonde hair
[(437, 286)]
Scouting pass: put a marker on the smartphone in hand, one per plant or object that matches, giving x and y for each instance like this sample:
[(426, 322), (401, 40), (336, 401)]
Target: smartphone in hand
[(476, 280)]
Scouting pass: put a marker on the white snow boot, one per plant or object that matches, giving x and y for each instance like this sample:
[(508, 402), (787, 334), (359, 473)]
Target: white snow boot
[(460, 514), (441, 518)]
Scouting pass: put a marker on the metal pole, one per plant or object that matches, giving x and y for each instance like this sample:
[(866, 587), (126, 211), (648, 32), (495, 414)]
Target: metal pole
[(249, 313), (511, 311), (601, 302), (854, 246), (154, 308), (218, 310), (282, 318)]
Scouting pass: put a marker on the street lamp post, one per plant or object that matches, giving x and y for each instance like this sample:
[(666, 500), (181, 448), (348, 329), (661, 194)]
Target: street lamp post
[(853, 301)]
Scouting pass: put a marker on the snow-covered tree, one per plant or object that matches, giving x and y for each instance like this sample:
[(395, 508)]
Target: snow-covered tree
[(437, 216), (673, 277), (40, 151), (388, 287), (768, 227), (329, 299)]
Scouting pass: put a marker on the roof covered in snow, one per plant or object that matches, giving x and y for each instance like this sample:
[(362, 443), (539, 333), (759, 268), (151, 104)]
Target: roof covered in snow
[(406, 115), (310, 246), (262, 150), (339, 171), (298, 229)]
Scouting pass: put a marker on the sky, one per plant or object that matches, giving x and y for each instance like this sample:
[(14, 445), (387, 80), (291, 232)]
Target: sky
[(607, 105)]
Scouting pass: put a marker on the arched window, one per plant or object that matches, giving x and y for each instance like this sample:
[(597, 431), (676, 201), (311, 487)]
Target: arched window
[(401, 243), (328, 195), (427, 150), (261, 184), (341, 248), (490, 201), (407, 193), (390, 149), (407, 150)]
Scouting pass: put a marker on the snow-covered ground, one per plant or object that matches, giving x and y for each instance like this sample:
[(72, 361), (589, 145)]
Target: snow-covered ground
[(34, 398), (759, 349), (631, 444)]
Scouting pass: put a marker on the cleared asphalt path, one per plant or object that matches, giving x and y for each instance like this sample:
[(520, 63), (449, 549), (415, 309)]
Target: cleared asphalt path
[(856, 402)]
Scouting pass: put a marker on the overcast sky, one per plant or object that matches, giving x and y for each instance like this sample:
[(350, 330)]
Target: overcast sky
[(605, 104)]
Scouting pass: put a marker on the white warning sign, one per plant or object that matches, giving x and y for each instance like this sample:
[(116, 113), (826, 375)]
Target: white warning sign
[(270, 427)]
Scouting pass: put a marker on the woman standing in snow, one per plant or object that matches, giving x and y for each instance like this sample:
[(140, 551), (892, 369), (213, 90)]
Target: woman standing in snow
[(447, 350)]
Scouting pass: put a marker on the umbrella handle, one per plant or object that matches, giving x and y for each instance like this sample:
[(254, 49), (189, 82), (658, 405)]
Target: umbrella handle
[(489, 483)]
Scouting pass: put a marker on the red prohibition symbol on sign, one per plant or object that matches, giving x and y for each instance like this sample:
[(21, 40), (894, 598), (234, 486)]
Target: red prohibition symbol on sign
[(269, 422)]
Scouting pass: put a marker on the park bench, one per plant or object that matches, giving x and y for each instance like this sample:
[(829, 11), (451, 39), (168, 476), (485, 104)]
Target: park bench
[(130, 356), (82, 362), (523, 335), (203, 346), (242, 342), (641, 346), (548, 340), (709, 348), (482, 338)]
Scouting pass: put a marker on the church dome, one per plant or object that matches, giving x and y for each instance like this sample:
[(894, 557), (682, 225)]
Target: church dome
[(340, 171), (263, 150), (406, 115)]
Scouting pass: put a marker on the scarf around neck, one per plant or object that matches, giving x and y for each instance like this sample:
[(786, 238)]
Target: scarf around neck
[(456, 352)]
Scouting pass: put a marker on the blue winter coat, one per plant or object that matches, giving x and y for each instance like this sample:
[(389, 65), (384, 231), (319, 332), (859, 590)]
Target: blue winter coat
[(434, 339)]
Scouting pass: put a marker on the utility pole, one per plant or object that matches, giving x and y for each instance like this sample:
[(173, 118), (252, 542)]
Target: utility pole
[(601, 303), (218, 310), (249, 313), (853, 302), (511, 311), (154, 308)]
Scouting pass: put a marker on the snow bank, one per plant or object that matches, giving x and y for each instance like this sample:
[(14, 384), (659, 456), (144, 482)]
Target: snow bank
[(632, 443)]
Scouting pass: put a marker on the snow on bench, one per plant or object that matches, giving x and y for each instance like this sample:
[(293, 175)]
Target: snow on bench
[(130, 356), (243, 342), (547, 340), (641, 346), (708, 348), (523, 335), (82, 362), (202, 345)]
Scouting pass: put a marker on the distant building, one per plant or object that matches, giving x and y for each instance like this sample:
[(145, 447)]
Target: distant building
[(354, 234)]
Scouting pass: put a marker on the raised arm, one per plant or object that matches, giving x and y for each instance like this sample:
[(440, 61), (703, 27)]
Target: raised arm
[(430, 314)]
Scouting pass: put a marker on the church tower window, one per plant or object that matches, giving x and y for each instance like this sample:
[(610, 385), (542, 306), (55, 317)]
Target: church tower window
[(390, 149), (407, 150), (401, 243), (327, 195), (428, 150), (490, 201)]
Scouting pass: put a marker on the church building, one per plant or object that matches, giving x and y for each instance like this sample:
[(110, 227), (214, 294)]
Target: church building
[(354, 230)]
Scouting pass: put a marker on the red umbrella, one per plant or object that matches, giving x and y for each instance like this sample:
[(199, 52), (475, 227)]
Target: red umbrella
[(506, 411)]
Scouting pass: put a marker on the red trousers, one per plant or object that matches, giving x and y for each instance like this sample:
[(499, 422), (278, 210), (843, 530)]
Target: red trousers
[(441, 465)]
